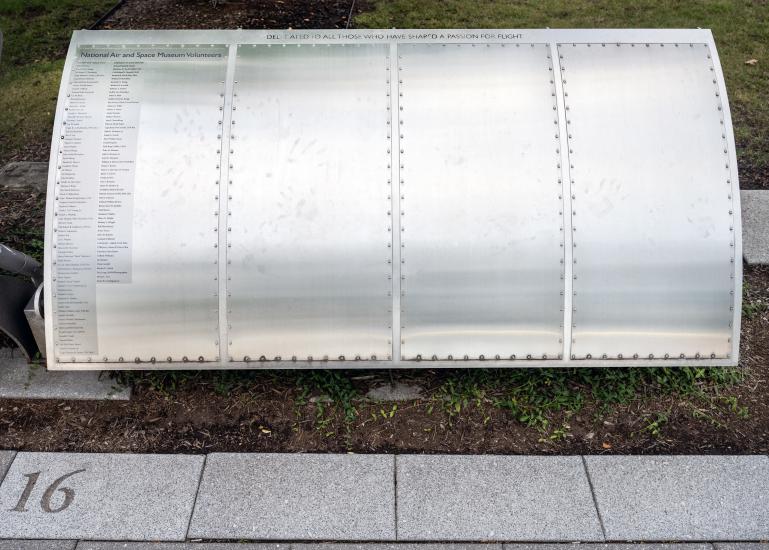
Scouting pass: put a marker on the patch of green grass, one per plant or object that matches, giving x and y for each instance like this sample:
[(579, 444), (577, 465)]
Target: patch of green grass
[(27, 105), (752, 304), (535, 396), (26, 240), (740, 27), (35, 34), (39, 30)]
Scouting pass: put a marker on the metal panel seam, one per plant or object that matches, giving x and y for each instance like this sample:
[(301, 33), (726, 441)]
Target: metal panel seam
[(567, 195), (394, 133), (223, 211)]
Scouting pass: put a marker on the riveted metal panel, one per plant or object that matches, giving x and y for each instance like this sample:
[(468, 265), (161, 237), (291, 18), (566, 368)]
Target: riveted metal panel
[(481, 204), (134, 275), (652, 213), (332, 281), (309, 234)]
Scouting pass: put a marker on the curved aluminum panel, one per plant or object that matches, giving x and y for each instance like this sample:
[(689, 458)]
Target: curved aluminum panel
[(134, 268), (481, 223), (309, 238), (653, 219), (192, 205)]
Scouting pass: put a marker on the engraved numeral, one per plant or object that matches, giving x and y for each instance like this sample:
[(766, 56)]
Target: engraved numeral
[(21, 506), (45, 501)]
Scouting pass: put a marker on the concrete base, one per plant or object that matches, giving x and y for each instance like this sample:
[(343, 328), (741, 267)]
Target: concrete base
[(22, 380)]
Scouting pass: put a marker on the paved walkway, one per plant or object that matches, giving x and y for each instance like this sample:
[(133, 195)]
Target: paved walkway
[(92, 545), (384, 498)]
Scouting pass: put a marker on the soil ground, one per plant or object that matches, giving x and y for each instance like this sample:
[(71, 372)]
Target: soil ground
[(533, 411)]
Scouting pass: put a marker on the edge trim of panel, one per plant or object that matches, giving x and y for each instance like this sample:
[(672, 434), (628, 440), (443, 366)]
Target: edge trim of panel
[(367, 364), (736, 207)]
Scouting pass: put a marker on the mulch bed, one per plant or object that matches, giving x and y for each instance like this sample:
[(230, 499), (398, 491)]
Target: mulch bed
[(233, 14)]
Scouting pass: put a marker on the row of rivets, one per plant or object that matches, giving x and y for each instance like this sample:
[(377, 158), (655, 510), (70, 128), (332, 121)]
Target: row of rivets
[(728, 181), (571, 187), (401, 238), (390, 202), (558, 177), (220, 195)]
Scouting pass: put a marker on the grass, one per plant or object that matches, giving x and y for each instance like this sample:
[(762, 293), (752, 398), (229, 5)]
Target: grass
[(36, 34), (741, 30), (535, 396)]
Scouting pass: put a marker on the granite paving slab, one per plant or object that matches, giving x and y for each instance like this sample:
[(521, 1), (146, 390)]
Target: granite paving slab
[(6, 457), (89, 545), (755, 226), (741, 545), (295, 497), (708, 498), (22, 380), (398, 546), (611, 546), (495, 498), (37, 544), (99, 496)]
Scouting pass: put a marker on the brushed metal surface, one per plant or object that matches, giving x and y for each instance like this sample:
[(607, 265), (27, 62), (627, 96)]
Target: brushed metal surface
[(300, 256), (309, 256), (164, 304), (481, 208), (653, 220)]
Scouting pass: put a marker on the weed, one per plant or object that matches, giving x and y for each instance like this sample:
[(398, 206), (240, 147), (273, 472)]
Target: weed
[(752, 306), (655, 422), (335, 385)]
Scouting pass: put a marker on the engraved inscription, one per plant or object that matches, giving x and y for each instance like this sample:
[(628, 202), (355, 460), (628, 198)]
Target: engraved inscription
[(47, 498)]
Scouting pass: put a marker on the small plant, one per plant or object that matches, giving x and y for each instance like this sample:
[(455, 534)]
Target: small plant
[(752, 305), (655, 423), (333, 385)]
